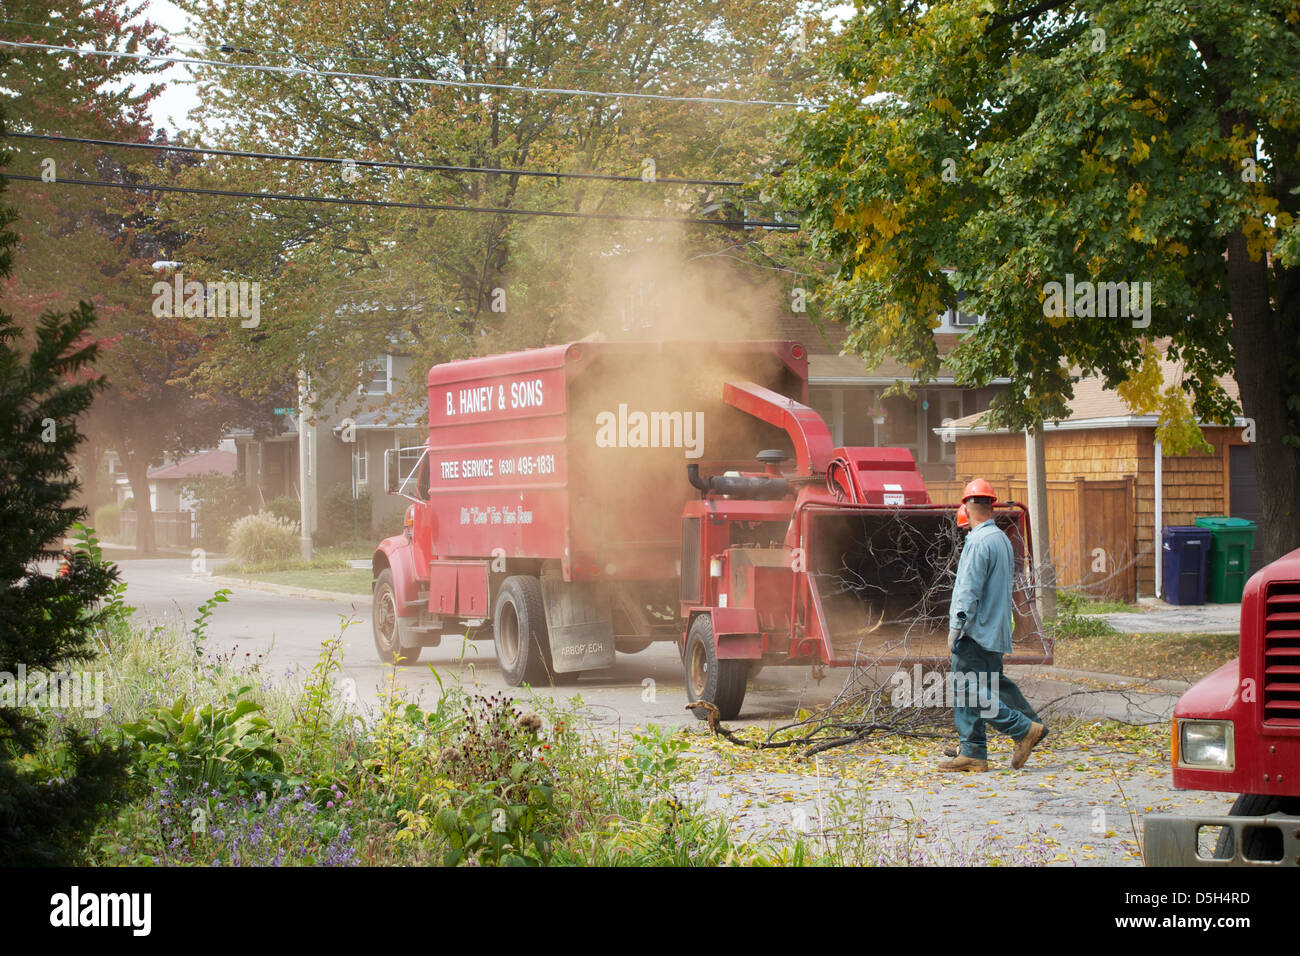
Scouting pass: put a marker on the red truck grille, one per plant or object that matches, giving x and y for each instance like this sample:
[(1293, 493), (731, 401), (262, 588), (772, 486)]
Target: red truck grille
[(1282, 654)]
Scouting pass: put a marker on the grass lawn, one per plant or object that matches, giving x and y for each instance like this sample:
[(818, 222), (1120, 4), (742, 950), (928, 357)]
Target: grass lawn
[(344, 580), (1073, 602), (1173, 656), (1107, 607)]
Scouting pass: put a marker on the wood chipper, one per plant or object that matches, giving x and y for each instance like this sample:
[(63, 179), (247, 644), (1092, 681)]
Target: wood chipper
[(839, 561), (581, 500)]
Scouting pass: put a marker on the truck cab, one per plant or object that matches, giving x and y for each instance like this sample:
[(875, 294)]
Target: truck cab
[(1238, 731)]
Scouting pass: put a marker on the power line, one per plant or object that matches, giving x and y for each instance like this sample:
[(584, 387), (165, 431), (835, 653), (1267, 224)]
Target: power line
[(395, 204), (417, 80), (385, 164), (335, 53)]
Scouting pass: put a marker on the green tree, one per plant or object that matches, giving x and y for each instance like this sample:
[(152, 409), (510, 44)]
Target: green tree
[(46, 620), (1015, 143), (104, 245), (341, 284), (63, 230)]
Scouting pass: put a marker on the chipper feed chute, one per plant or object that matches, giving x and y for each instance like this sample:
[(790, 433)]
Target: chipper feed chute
[(879, 583)]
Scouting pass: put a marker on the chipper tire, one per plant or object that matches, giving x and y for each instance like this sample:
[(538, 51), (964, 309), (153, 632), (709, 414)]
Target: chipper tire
[(519, 634), (387, 626), (720, 683)]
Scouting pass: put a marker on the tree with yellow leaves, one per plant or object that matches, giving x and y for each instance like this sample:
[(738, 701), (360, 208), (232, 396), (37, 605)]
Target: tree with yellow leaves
[(1095, 176)]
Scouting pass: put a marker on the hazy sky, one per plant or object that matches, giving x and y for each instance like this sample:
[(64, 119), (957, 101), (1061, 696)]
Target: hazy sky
[(170, 109)]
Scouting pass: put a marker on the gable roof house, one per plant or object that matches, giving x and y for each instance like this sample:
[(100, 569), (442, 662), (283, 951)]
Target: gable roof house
[(345, 449)]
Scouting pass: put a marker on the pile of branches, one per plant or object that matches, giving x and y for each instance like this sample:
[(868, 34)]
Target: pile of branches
[(906, 570)]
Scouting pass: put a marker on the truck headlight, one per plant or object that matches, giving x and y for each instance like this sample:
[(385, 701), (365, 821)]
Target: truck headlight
[(1206, 744)]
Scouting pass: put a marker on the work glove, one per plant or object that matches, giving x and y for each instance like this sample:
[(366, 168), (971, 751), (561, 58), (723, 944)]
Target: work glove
[(953, 634)]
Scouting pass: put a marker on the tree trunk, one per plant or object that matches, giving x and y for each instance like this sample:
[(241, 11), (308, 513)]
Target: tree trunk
[(1260, 377), (1263, 339), (138, 472)]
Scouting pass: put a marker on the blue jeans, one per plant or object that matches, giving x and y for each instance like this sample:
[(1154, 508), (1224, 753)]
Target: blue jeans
[(1013, 713)]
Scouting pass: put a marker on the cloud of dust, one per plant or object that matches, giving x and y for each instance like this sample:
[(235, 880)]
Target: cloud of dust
[(668, 289), (689, 310)]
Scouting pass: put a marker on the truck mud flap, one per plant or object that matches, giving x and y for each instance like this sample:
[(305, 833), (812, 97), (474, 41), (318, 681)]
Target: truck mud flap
[(1173, 841), (580, 625)]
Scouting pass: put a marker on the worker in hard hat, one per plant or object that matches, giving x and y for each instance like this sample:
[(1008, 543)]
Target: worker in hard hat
[(963, 519), (980, 623)]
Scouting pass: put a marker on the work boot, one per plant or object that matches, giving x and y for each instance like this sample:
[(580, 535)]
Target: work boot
[(1026, 744), (960, 764)]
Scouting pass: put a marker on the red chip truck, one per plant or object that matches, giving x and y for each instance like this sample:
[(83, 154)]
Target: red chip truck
[(581, 500), (1238, 731)]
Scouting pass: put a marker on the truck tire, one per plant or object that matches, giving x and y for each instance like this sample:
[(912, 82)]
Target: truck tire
[(1260, 844), (721, 683), (519, 633), (387, 626)]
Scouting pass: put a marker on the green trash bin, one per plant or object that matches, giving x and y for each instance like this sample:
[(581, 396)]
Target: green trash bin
[(1229, 557)]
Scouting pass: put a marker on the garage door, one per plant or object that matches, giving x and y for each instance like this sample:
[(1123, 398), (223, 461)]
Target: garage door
[(1244, 492)]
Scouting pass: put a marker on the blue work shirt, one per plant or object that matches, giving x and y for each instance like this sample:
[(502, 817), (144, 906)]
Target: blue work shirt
[(981, 595)]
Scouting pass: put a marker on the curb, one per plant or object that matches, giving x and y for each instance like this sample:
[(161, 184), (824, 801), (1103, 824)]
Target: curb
[(1124, 681), (287, 589)]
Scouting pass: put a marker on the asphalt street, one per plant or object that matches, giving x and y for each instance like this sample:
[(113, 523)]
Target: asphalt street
[(288, 630)]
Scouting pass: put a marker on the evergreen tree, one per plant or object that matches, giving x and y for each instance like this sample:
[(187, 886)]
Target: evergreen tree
[(47, 620)]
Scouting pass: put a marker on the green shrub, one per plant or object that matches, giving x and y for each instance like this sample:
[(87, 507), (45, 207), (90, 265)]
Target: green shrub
[(220, 500), (335, 517), (213, 748), (263, 537), (108, 521), (284, 507)]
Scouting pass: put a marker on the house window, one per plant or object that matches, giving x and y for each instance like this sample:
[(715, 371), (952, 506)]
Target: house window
[(942, 407), (408, 456), (955, 320), (378, 376), (361, 464)]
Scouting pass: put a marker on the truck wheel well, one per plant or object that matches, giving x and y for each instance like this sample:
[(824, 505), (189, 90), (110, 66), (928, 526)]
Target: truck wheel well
[(378, 563)]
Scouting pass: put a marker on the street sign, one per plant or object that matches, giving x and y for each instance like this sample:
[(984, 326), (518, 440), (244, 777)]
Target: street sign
[(286, 411)]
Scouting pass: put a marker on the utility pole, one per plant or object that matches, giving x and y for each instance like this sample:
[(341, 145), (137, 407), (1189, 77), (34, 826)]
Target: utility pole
[(1036, 472), (306, 465)]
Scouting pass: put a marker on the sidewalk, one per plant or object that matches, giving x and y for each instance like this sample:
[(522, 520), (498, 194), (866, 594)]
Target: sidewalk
[(286, 589), (1157, 617), (119, 552)]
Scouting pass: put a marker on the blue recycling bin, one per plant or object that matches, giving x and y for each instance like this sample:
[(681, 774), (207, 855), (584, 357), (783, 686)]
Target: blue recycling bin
[(1185, 551)]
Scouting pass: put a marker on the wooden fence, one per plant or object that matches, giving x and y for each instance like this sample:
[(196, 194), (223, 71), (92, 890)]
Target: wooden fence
[(1093, 527), (171, 529)]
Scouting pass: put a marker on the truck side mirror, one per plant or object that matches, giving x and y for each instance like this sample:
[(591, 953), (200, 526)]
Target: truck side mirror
[(422, 483), (390, 470)]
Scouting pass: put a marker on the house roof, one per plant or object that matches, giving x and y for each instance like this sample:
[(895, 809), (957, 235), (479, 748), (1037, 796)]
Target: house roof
[(1096, 406), (828, 366), (222, 462), (837, 369), (391, 418)]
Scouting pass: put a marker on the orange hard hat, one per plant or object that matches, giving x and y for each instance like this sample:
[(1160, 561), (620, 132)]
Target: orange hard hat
[(963, 519), (978, 488)]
